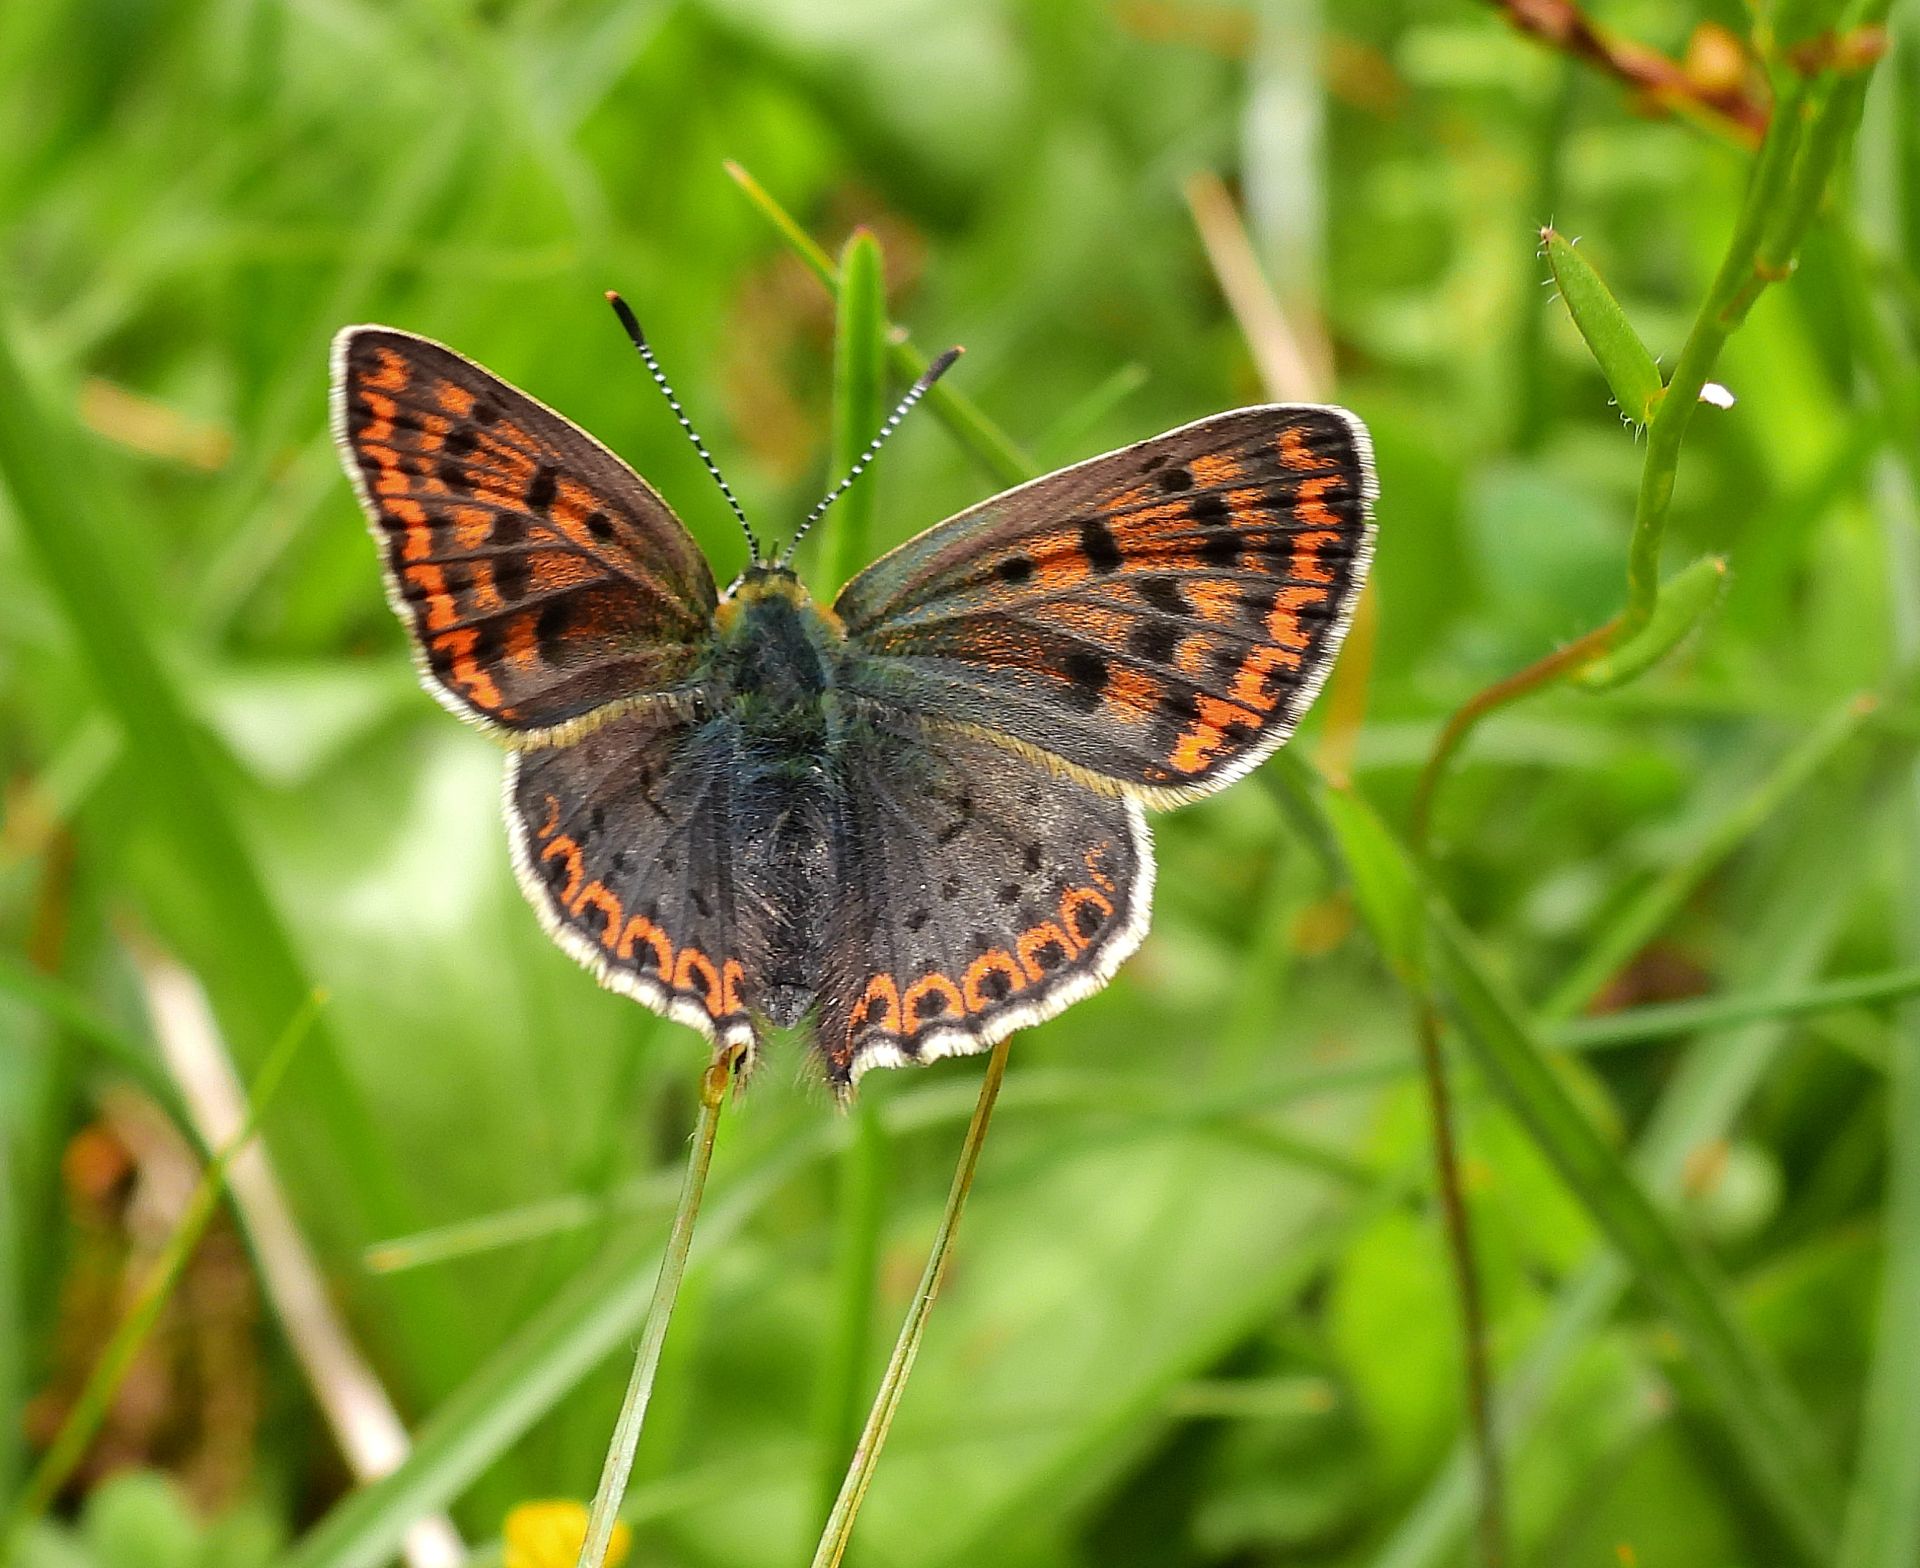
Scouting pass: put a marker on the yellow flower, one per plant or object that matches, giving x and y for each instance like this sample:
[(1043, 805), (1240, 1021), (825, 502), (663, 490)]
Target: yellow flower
[(549, 1535)]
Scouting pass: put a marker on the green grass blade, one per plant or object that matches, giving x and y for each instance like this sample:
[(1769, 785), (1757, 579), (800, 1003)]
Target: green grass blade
[(1763, 1416), (838, 1534), (103, 1382), (69, 1008), (1648, 913), (1664, 1020), (592, 1316), (859, 1212), (256, 975), (714, 1086), (1805, 910), (859, 401), (986, 442), (1882, 1528)]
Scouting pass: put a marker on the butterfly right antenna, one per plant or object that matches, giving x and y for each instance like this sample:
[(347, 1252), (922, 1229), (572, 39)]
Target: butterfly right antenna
[(915, 392), (632, 324)]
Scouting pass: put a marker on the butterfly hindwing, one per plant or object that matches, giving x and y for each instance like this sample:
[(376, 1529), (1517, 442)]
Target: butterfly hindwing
[(975, 893), (624, 841), (542, 581), (1157, 619)]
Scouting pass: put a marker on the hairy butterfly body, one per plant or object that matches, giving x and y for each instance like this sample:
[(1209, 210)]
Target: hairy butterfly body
[(915, 817)]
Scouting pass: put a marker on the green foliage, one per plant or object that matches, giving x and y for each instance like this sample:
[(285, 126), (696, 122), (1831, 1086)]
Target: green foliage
[(1622, 357), (1199, 1312)]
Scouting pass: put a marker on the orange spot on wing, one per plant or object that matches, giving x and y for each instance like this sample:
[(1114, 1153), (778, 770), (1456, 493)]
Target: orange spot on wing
[(1283, 625), (917, 996), (1130, 688), (432, 582), (1250, 680), (641, 929), (1211, 470), (1032, 940), (996, 960), (1307, 566), (1191, 656), (882, 995), (553, 818), (1202, 740), (380, 427), (1309, 504), (455, 400), (1072, 902), (1214, 602), (1297, 455), (733, 980), (565, 849), (596, 894), (459, 644), (471, 526), (1094, 859), (708, 980), (523, 643), (389, 372)]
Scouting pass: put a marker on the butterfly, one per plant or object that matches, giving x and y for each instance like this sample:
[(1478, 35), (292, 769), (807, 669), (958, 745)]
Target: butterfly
[(915, 816)]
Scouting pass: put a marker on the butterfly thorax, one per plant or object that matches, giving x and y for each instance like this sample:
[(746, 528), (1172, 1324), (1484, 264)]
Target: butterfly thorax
[(774, 656)]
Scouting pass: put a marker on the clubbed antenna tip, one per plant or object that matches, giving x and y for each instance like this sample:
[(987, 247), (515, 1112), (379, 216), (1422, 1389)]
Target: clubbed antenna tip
[(639, 339)]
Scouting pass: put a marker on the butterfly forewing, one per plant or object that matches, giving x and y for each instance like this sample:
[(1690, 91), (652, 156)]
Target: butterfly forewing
[(1156, 619), (542, 581)]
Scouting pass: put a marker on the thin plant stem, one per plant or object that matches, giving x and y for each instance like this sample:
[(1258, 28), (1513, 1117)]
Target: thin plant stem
[(1473, 1312), (714, 1083), (873, 1437), (1806, 134)]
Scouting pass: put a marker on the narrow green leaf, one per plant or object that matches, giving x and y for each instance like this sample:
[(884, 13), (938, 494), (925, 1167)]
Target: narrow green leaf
[(254, 971), (990, 446), (1383, 883), (860, 1211), (1623, 358), (1772, 1433), (859, 374), (1665, 1020), (1686, 599), (1643, 917), (1798, 924), (110, 1371)]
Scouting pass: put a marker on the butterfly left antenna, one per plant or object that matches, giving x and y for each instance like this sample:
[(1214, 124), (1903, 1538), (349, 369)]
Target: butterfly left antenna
[(917, 391), (632, 324)]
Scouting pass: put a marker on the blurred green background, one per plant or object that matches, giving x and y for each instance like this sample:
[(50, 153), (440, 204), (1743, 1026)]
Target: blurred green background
[(1201, 1311)]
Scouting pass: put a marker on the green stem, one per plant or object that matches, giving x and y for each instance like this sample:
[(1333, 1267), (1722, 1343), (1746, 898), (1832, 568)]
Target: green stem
[(1473, 1312), (860, 1205), (1809, 129), (714, 1083), (873, 1437)]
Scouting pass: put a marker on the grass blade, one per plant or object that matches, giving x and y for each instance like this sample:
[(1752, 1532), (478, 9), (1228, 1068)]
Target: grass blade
[(893, 1386), (263, 979), (714, 1084), (859, 374), (1763, 1417), (986, 442), (103, 1382)]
